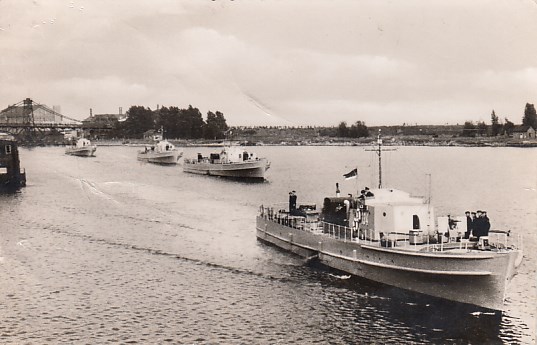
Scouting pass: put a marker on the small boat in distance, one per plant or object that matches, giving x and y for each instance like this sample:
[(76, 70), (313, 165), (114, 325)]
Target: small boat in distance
[(82, 148), (163, 152), (390, 237), (232, 162), (12, 176)]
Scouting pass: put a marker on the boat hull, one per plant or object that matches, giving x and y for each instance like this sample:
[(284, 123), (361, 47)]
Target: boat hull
[(250, 170), (479, 279), (170, 157), (87, 151)]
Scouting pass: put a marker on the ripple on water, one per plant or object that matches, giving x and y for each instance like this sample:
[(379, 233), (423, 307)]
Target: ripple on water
[(137, 261)]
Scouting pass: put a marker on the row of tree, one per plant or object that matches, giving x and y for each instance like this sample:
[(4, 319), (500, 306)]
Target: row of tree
[(177, 123), (497, 127), (356, 130), (189, 124)]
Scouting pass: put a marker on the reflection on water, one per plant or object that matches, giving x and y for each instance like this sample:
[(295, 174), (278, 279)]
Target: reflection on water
[(109, 249)]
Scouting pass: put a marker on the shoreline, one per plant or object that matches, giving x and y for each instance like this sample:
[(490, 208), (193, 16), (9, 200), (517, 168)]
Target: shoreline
[(393, 141)]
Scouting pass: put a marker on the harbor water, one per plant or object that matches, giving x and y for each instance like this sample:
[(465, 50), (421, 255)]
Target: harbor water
[(108, 249)]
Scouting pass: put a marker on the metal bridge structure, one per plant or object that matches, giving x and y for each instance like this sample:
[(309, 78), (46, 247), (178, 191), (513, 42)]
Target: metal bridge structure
[(30, 119)]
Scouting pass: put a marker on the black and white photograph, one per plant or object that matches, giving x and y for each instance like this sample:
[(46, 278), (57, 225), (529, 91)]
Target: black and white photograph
[(268, 172)]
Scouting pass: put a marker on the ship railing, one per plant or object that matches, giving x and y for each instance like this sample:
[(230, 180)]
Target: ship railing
[(340, 232), (277, 210), (278, 213), (503, 239), (497, 240)]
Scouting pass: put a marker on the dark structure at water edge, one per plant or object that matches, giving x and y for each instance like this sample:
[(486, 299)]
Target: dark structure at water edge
[(11, 175)]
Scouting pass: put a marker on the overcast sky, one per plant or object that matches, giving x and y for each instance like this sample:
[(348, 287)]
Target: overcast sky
[(275, 62)]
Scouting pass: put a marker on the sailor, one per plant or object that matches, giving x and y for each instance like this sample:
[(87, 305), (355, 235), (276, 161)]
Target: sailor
[(368, 193), (477, 229), (337, 190), (469, 224), (292, 202), (486, 224)]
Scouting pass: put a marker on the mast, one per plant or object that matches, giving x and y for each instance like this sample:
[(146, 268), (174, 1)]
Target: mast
[(378, 150)]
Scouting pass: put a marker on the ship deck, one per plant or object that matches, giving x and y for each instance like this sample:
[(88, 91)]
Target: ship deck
[(396, 242)]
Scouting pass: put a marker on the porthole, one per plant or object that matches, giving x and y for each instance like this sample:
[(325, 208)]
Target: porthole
[(384, 214)]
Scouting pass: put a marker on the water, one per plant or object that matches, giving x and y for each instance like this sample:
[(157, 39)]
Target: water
[(108, 249)]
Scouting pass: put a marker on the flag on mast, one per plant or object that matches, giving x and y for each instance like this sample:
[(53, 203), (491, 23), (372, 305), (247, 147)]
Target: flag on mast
[(352, 174)]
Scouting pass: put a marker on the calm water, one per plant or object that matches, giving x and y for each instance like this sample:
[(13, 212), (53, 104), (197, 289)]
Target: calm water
[(107, 249)]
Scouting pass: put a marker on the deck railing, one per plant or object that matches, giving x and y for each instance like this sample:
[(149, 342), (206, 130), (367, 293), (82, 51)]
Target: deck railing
[(496, 239)]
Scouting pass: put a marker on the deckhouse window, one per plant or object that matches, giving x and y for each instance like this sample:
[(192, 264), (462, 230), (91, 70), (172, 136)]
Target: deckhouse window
[(415, 222), (8, 149)]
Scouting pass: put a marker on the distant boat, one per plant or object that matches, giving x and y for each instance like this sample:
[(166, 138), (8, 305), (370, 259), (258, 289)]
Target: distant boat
[(82, 148), (163, 152), (11, 175), (390, 237), (231, 162)]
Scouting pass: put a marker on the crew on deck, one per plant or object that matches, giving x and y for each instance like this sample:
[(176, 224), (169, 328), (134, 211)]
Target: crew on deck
[(292, 203), (481, 225), (470, 216)]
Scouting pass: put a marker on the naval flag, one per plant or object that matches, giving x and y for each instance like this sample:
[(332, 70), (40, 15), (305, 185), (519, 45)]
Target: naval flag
[(352, 174)]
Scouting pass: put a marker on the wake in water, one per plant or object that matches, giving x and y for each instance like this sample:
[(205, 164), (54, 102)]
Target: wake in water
[(90, 187), (344, 277)]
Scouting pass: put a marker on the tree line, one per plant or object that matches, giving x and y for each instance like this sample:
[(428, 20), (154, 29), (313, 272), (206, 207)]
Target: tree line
[(498, 127), (189, 124), (177, 123), (356, 130)]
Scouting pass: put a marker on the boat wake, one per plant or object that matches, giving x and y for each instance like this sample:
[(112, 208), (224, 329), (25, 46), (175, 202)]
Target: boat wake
[(90, 187), (344, 277), (152, 251), (479, 313)]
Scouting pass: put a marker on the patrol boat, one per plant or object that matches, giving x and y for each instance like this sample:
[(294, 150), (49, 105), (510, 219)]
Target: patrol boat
[(82, 148), (12, 176), (232, 162), (163, 152), (391, 237)]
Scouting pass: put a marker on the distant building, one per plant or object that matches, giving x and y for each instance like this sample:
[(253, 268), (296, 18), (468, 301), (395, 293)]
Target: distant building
[(101, 120), (523, 132), (101, 125)]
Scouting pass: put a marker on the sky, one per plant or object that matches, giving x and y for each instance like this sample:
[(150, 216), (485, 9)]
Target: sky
[(275, 62)]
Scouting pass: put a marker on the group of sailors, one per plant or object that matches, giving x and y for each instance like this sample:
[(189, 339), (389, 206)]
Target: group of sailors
[(477, 224), (365, 193)]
